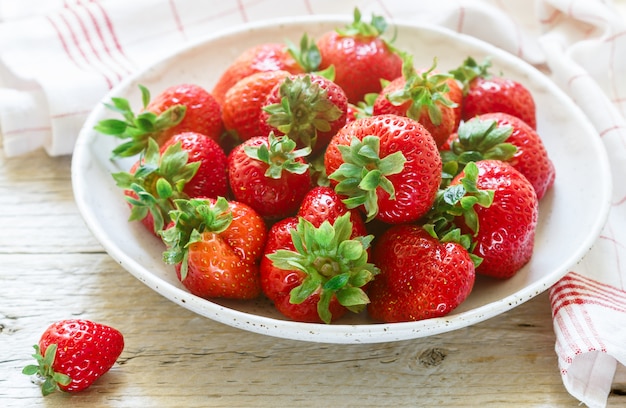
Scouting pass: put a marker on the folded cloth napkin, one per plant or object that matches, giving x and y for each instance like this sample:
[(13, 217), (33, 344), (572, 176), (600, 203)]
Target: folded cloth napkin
[(58, 58)]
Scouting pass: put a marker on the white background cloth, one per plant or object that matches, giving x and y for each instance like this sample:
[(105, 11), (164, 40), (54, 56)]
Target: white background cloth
[(58, 58)]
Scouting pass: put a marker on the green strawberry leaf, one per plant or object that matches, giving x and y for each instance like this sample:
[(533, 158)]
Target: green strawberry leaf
[(281, 155), (333, 264)]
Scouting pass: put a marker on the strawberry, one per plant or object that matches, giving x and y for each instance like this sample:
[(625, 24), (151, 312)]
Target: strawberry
[(73, 354), (309, 108), (422, 96), (316, 274), (506, 229), (268, 57), (202, 114), (215, 246), (178, 109), (243, 102), (269, 175), (322, 203), (389, 165), (360, 56), (504, 137), (485, 93), (420, 276), (188, 165)]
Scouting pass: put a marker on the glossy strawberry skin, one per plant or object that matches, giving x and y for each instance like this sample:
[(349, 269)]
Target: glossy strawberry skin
[(506, 235), (211, 178), (420, 277), (242, 105), (260, 58), (498, 94), (417, 185), (85, 350), (319, 205), (531, 158), (203, 113), (271, 198), (334, 93), (360, 62), (322, 203), (225, 264), (440, 131)]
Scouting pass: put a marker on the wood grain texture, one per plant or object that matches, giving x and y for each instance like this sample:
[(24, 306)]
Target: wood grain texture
[(52, 268)]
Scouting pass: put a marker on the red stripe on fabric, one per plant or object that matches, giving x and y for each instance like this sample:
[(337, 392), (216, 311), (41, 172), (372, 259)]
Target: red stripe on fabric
[(109, 25), (461, 22), (179, 24), (91, 44), (580, 289), (26, 130), (242, 10), (611, 129), (98, 27), (566, 339), (307, 5)]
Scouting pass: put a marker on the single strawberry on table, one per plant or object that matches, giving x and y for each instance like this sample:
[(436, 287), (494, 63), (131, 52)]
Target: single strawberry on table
[(215, 246), (72, 354), (388, 165), (269, 175), (486, 93), (424, 96), (360, 56), (309, 108)]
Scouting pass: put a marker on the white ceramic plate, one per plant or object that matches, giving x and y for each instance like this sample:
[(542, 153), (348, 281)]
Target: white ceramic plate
[(571, 214)]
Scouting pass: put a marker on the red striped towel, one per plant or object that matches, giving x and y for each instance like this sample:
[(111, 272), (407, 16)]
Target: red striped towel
[(59, 57)]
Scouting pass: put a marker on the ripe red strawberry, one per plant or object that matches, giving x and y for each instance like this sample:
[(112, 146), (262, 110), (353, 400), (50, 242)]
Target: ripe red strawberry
[(268, 57), (202, 114), (188, 165), (72, 354), (316, 274), (308, 108), (360, 56), (322, 203), (420, 276), (387, 164), (424, 97), (215, 246), (178, 109), (504, 137), (243, 102), (506, 233), (485, 93), (269, 175)]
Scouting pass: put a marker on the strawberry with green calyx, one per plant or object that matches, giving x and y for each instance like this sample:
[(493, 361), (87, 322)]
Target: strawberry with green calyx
[(505, 137), (155, 182), (487, 93), (456, 201), (332, 266), (270, 175), (362, 109), (420, 276), (360, 55), (215, 246), (424, 97), (308, 108), (137, 130), (72, 354), (505, 239), (388, 165)]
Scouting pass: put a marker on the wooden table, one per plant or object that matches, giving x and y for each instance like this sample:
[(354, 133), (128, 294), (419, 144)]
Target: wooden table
[(52, 268)]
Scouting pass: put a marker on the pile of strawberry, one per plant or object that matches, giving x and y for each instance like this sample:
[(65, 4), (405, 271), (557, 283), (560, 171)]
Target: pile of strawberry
[(336, 176)]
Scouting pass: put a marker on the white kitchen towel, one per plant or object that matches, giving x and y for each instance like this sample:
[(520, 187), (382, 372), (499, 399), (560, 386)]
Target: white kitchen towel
[(58, 58)]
